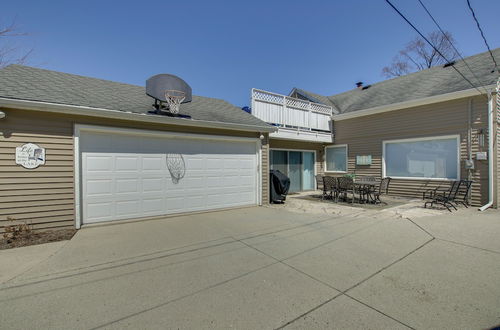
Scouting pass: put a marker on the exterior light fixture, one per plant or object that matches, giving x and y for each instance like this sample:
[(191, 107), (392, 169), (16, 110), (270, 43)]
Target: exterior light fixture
[(480, 137), (2, 114)]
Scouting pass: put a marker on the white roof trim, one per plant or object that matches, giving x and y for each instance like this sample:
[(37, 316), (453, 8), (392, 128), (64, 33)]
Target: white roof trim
[(115, 114), (409, 104)]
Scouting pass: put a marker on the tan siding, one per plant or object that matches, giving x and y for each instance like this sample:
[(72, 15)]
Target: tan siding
[(45, 196), (265, 170), (364, 136), (34, 195)]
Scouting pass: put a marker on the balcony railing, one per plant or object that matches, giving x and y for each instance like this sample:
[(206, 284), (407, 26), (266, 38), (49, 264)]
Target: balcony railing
[(289, 112)]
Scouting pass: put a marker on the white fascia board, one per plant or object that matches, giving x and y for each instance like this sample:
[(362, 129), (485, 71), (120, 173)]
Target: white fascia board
[(412, 103), (297, 135), (115, 114)]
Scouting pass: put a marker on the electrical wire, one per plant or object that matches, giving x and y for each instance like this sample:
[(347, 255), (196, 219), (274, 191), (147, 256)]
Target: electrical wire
[(482, 34), (451, 43), (430, 43)]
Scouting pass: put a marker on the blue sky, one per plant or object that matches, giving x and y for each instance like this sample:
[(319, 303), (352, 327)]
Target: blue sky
[(224, 48)]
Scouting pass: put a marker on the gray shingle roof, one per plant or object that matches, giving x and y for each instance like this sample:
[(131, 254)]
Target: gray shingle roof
[(34, 84), (426, 83)]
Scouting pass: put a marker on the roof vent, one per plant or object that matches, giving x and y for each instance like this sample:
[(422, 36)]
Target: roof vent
[(359, 84), (169, 92), (366, 87), (449, 64)]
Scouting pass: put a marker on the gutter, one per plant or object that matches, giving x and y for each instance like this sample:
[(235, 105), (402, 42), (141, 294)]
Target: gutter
[(409, 104), (116, 114), (490, 150)]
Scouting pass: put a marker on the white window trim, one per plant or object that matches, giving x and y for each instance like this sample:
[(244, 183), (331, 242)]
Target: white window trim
[(346, 158), (427, 138)]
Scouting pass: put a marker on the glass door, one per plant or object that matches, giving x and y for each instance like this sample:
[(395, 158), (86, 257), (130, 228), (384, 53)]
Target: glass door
[(308, 171), (297, 165), (295, 170), (279, 161)]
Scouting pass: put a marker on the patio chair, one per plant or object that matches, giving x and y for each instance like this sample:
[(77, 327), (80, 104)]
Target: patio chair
[(445, 199), (330, 188), (383, 188), (429, 193), (319, 183), (462, 196), (346, 186)]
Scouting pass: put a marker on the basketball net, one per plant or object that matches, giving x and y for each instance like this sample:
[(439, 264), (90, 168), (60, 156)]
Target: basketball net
[(174, 99)]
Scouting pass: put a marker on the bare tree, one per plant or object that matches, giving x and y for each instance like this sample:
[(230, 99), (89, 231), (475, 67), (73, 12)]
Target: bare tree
[(419, 55), (10, 52)]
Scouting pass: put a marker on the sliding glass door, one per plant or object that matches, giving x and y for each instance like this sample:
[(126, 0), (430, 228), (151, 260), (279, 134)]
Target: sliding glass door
[(297, 165)]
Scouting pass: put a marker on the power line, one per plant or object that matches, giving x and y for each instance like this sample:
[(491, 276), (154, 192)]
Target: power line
[(430, 43), (451, 43), (482, 34)]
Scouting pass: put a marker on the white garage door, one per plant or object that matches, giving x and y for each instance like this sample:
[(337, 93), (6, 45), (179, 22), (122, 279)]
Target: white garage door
[(127, 176)]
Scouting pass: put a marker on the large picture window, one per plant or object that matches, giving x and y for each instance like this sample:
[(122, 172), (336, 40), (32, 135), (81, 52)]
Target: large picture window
[(426, 158), (336, 158)]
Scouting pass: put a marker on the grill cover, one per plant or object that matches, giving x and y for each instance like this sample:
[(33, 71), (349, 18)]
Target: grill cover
[(279, 185)]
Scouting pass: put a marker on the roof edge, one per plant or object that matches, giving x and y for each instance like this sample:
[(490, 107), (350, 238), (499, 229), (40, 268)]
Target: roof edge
[(116, 114), (411, 103)]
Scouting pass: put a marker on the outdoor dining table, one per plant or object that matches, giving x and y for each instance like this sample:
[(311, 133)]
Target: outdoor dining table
[(365, 187)]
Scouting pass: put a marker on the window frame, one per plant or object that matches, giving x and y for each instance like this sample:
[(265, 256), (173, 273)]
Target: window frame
[(346, 158), (420, 139)]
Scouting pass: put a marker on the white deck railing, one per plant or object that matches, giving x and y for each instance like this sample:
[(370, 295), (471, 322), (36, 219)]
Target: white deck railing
[(287, 111)]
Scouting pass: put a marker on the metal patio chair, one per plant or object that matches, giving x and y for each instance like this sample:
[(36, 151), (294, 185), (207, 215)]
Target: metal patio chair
[(346, 186), (330, 188), (319, 183), (462, 196), (383, 188), (446, 198)]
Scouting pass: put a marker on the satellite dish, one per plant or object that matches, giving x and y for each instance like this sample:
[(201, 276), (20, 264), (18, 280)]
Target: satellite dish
[(158, 86)]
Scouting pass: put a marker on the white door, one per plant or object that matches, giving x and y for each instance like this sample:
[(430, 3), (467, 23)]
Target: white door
[(127, 176)]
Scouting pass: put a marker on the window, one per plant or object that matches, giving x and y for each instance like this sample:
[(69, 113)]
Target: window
[(336, 158), (427, 158)]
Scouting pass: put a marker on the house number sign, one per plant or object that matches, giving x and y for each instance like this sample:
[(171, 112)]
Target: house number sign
[(30, 156)]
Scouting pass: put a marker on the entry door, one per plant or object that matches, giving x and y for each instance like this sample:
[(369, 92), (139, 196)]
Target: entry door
[(131, 176)]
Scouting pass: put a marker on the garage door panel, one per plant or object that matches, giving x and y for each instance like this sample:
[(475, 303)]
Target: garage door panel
[(125, 163), (127, 185), (99, 211), (98, 163), (98, 187), (128, 176), (153, 184)]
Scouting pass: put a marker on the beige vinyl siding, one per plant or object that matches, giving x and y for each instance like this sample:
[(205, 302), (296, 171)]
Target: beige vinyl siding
[(265, 170), (45, 196), (365, 136), (301, 145)]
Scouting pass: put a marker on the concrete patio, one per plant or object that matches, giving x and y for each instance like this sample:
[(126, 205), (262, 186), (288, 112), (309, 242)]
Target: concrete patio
[(266, 268)]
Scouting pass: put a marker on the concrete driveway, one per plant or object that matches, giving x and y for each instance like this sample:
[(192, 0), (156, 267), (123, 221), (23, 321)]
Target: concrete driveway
[(267, 268)]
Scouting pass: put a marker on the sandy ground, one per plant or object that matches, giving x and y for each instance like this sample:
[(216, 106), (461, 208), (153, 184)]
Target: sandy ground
[(308, 202)]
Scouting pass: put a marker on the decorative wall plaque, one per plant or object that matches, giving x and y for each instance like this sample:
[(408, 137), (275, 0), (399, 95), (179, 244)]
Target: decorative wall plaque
[(364, 160), (30, 156)]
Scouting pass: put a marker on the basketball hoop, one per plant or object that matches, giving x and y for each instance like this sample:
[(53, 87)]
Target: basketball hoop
[(174, 99)]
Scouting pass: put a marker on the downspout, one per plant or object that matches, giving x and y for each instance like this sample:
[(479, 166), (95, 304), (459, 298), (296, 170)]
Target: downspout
[(490, 151)]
